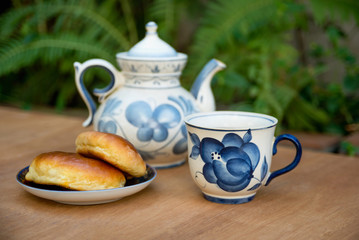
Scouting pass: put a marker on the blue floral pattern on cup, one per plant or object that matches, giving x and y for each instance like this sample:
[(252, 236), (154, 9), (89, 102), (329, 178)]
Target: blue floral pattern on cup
[(152, 125), (229, 163)]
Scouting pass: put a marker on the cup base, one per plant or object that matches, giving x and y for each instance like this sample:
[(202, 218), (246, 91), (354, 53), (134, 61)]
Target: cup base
[(229, 200)]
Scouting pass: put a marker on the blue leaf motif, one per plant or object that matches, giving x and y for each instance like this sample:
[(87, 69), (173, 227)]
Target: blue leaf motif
[(185, 104), (110, 106), (195, 152), (195, 149), (194, 139), (178, 101), (247, 137), (232, 140), (264, 169)]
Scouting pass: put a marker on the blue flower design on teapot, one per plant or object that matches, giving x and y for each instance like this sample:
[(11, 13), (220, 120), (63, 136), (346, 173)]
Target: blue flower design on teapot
[(152, 125)]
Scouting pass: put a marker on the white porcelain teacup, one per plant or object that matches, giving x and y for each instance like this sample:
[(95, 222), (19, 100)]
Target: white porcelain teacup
[(230, 153)]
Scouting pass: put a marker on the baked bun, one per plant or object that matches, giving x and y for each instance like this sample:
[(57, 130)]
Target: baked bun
[(73, 171), (113, 149)]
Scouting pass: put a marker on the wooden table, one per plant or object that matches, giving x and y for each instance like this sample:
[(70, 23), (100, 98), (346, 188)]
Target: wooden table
[(318, 200)]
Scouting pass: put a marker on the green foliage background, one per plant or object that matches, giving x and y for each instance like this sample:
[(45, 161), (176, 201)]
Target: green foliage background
[(260, 41)]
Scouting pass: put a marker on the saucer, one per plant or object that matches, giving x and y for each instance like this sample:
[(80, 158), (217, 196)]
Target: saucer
[(73, 197)]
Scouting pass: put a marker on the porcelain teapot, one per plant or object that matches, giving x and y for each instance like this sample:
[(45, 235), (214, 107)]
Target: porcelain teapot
[(145, 103)]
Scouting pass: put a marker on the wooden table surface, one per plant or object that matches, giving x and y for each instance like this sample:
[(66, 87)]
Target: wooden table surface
[(317, 200)]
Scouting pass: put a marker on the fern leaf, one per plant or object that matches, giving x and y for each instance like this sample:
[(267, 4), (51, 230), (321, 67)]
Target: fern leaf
[(97, 19), (9, 21), (18, 54), (130, 20), (303, 115), (225, 20), (83, 14), (333, 9), (163, 12)]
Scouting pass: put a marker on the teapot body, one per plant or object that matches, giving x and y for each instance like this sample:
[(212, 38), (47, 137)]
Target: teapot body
[(151, 119)]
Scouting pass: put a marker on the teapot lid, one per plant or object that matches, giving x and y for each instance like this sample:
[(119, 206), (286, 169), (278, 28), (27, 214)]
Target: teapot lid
[(152, 46)]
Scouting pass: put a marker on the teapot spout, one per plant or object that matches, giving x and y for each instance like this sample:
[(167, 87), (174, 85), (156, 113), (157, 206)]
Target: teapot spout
[(201, 88)]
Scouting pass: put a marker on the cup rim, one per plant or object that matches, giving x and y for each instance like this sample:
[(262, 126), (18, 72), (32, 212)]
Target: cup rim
[(192, 116)]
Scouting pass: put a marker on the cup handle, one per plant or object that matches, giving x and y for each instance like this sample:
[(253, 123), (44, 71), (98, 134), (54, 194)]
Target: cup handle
[(293, 164)]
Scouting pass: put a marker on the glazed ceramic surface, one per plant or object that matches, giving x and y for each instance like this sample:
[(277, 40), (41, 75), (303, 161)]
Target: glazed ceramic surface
[(86, 197), (145, 102), (230, 153)]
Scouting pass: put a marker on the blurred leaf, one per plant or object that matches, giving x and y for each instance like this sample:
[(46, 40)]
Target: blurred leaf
[(305, 116), (333, 9)]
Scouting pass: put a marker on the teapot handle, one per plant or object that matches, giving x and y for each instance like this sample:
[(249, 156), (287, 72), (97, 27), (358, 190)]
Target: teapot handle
[(116, 80)]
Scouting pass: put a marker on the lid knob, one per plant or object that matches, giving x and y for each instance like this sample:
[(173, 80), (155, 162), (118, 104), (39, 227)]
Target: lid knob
[(151, 28)]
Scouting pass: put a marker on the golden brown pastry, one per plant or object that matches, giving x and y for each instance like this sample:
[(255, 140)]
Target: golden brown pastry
[(113, 149), (73, 171)]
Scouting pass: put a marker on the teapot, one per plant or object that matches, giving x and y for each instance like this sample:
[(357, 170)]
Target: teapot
[(145, 103)]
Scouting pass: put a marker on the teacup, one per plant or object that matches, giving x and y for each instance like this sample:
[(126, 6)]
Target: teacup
[(230, 153)]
